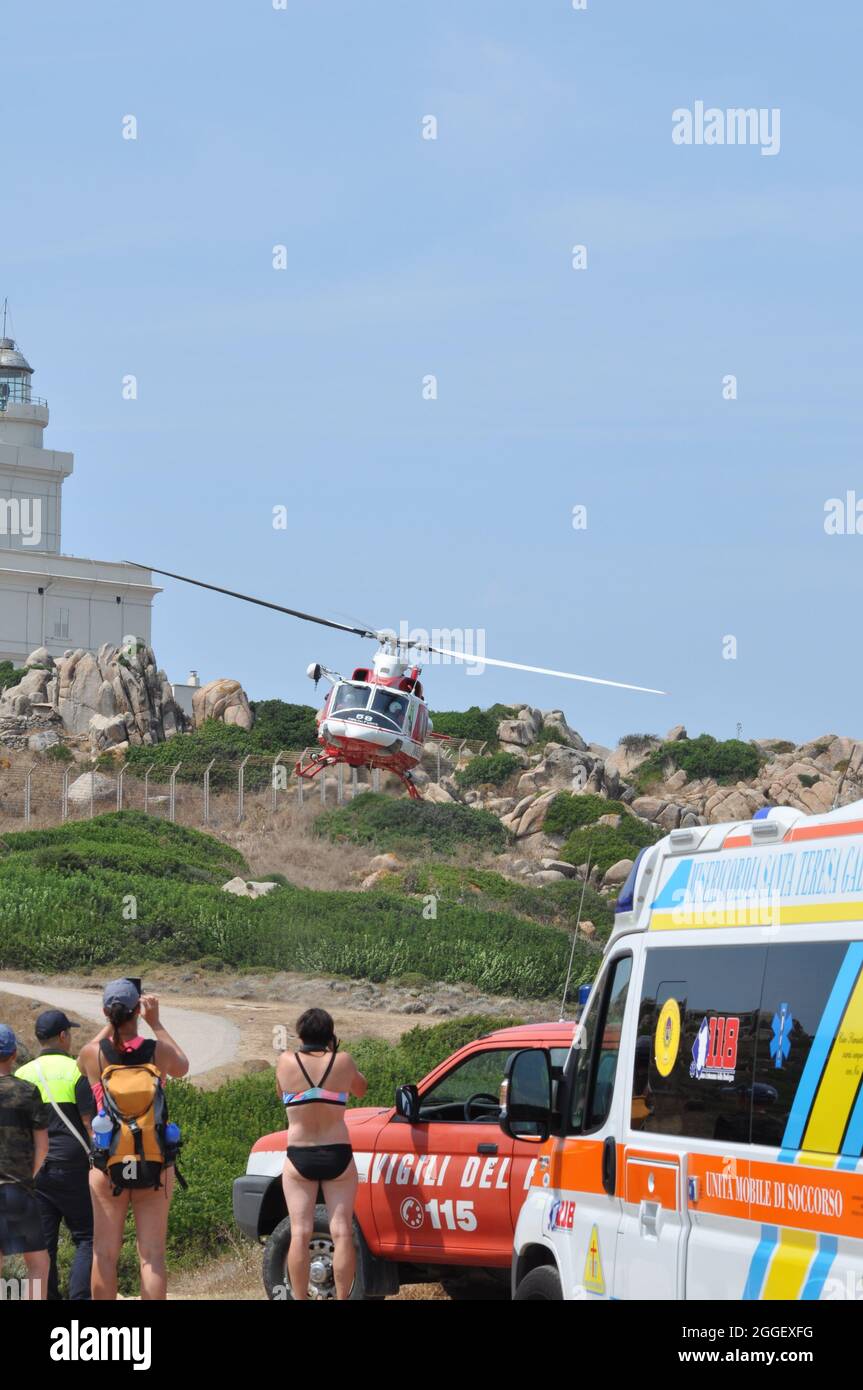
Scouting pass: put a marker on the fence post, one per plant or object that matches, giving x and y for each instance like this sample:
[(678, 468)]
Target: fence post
[(323, 786), (64, 794), (273, 787), (376, 779), (241, 777), (120, 775), (172, 794), (340, 783), (437, 751), (27, 794), (207, 770), (147, 789), (354, 783), (92, 790)]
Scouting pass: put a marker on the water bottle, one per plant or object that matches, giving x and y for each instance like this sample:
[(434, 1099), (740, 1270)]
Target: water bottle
[(172, 1135), (103, 1128)]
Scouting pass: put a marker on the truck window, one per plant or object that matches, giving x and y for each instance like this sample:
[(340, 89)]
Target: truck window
[(477, 1079), (809, 1049), (596, 1059), (694, 1063)]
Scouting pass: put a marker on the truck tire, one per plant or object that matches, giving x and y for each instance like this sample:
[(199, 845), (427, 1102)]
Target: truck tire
[(541, 1285), (321, 1284)]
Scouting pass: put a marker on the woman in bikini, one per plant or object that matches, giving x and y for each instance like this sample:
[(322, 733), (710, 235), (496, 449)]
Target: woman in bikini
[(120, 1041), (314, 1083)]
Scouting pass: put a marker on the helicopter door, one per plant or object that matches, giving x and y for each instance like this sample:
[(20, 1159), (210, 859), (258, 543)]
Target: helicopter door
[(420, 728)]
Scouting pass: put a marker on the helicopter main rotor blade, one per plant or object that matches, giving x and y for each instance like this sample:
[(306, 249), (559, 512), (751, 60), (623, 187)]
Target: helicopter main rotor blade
[(261, 602), (538, 670)]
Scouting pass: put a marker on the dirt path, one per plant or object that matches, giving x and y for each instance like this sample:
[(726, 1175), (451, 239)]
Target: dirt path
[(233, 1024), (209, 1040)]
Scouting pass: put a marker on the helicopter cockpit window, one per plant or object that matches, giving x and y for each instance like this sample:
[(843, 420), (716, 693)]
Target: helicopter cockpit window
[(392, 705), (350, 697)]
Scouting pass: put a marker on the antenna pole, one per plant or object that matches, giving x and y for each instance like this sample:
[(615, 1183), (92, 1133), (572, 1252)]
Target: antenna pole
[(5, 308), (575, 936)]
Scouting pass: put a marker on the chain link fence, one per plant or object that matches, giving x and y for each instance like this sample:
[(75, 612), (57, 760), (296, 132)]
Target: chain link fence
[(42, 792)]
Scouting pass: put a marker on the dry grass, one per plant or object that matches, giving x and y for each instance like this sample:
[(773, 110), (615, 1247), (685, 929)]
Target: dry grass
[(271, 842)]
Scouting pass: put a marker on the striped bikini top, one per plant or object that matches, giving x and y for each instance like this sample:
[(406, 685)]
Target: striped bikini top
[(314, 1095)]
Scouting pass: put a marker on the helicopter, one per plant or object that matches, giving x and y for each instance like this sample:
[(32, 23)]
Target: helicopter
[(378, 717)]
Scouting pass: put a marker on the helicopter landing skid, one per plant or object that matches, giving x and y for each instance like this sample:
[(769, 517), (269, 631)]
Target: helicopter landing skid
[(319, 761)]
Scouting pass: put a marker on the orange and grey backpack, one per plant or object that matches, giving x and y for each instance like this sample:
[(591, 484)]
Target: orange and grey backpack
[(134, 1100)]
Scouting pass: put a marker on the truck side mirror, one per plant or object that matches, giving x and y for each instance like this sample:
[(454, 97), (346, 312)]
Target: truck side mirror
[(408, 1103), (528, 1096)]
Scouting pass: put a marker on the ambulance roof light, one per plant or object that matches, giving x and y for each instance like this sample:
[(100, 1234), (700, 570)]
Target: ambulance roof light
[(626, 897)]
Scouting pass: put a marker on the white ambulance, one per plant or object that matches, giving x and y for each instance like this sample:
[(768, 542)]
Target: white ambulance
[(703, 1140)]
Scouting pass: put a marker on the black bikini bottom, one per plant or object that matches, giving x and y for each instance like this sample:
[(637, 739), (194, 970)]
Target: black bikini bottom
[(320, 1162)]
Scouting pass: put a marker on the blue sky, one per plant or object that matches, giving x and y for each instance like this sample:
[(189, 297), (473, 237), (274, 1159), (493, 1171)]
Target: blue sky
[(405, 257)]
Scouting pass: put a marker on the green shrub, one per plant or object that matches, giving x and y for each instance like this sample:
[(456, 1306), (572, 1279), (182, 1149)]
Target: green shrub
[(567, 811), (556, 903), (63, 892), (59, 753), (473, 723), (638, 743), (279, 725), (605, 845), (727, 761), (421, 826), (495, 769), (807, 780), (10, 675)]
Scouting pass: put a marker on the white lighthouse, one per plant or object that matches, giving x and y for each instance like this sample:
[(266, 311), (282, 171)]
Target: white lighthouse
[(48, 599)]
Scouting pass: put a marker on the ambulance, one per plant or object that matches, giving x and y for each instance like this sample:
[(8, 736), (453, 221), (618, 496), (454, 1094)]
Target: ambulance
[(703, 1138)]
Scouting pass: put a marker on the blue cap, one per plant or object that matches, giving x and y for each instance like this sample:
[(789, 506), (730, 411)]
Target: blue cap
[(121, 992), (8, 1041)]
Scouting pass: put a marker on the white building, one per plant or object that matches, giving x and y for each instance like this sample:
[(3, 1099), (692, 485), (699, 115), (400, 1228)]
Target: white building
[(48, 599)]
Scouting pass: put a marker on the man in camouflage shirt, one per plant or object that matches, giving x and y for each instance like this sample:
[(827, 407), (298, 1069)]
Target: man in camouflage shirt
[(24, 1121)]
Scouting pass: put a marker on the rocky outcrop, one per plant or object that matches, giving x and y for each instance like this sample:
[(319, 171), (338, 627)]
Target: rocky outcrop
[(117, 697), (222, 699), (248, 888)]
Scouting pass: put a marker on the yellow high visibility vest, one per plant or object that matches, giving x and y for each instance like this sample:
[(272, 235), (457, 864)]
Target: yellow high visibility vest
[(61, 1073)]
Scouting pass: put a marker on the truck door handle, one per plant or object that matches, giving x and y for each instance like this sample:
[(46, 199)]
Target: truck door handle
[(486, 1148), (648, 1220)]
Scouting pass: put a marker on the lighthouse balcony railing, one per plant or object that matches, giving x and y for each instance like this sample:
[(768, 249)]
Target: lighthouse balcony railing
[(17, 393)]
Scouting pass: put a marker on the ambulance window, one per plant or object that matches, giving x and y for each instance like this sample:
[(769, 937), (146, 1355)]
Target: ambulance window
[(809, 1049), (596, 1064), (695, 1047)]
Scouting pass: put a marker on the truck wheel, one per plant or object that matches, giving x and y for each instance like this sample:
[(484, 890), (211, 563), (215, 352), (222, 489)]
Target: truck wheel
[(321, 1282), (541, 1285)]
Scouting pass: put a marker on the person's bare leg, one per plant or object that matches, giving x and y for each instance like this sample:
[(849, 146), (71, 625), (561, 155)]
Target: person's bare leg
[(151, 1209), (301, 1197), (109, 1217), (38, 1264), (340, 1195)]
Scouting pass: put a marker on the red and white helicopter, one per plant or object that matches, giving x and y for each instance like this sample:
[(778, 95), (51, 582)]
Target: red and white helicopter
[(379, 718)]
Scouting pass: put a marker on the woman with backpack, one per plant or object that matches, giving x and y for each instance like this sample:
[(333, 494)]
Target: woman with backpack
[(314, 1084), (133, 1155)]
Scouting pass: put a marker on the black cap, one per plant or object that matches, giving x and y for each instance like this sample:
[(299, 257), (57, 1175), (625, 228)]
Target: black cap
[(52, 1022)]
